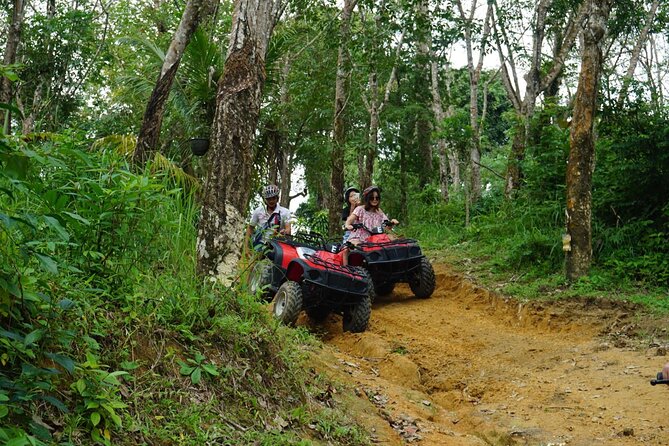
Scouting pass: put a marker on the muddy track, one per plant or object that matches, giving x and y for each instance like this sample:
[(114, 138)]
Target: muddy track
[(466, 367)]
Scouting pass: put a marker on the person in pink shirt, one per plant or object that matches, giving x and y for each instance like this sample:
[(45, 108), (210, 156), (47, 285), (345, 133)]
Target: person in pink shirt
[(369, 214)]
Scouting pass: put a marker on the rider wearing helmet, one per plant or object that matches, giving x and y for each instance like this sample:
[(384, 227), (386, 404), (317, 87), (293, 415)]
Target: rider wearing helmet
[(370, 215), (351, 201), (268, 219)]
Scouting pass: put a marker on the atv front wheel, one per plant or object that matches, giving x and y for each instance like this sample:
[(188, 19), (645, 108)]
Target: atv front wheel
[(288, 302), (260, 277), (356, 317), (366, 277), (423, 282)]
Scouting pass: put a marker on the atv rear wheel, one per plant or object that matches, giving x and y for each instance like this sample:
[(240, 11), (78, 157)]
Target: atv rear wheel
[(260, 277), (384, 289), (423, 282), (288, 302)]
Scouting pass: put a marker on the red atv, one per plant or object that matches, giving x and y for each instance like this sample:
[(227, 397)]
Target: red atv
[(390, 261), (300, 274)]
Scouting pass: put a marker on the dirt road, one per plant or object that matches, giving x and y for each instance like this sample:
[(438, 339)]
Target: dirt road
[(469, 368)]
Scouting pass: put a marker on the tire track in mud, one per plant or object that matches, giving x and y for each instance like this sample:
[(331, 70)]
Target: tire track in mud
[(467, 367)]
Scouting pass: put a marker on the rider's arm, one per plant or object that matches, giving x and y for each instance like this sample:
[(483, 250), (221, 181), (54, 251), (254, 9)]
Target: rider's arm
[(284, 221), (350, 220), (286, 229)]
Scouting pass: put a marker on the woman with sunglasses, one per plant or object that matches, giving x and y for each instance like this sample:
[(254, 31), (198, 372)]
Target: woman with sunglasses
[(370, 215)]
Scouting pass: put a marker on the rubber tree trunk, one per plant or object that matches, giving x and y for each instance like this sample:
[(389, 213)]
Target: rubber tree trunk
[(439, 116), (474, 78), (230, 159), (340, 123), (11, 49), (423, 92), (537, 79), (578, 239), (376, 106), (636, 52), (149, 133)]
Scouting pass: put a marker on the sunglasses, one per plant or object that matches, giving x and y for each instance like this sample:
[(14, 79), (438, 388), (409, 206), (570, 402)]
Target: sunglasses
[(374, 197)]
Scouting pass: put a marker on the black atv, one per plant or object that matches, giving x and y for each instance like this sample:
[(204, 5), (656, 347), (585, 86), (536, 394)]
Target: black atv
[(299, 273), (393, 260)]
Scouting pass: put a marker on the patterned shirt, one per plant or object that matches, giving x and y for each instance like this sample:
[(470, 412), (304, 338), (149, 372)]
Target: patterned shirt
[(370, 219)]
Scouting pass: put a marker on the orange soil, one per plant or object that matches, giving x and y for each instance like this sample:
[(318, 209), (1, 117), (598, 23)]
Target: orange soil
[(467, 367)]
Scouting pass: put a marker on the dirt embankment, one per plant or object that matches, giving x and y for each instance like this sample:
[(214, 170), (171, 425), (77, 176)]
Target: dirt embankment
[(466, 367)]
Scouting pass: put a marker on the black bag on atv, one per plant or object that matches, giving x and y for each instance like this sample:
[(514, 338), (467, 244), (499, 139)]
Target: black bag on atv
[(263, 232)]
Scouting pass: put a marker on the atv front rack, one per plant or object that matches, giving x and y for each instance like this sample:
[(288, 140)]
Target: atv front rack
[(342, 269), (306, 239), (403, 241)]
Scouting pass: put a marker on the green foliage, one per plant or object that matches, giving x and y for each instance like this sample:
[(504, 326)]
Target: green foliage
[(194, 368), (99, 299), (98, 391), (309, 216)]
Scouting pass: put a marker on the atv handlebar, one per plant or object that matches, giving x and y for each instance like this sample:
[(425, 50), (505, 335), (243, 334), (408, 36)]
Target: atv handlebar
[(375, 230)]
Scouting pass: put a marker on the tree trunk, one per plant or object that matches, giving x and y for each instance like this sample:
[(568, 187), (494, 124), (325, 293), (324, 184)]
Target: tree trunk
[(149, 133), (373, 143), (11, 48), (340, 124), (535, 82), (230, 160), (366, 161), (285, 148), (578, 240), (474, 78), (439, 116), (424, 124), (634, 59)]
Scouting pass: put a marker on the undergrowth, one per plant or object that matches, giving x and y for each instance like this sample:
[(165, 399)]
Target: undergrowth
[(107, 335), (515, 247)]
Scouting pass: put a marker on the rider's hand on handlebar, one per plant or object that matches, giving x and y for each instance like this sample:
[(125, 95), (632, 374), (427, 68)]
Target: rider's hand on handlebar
[(349, 227), (394, 222)]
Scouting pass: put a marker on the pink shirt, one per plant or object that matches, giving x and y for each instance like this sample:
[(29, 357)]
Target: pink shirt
[(370, 219)]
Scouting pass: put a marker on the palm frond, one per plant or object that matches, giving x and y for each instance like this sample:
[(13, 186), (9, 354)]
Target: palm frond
[(162, 164), (121, 144), (143, 43)]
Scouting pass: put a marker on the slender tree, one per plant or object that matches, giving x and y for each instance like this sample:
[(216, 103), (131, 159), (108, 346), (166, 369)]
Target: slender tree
[(11, 48), (340, 123), (149, 133), (374, 102), (636, 51), (537, 79), (470, 25), (227, 188), (439, 116), (578, 243)]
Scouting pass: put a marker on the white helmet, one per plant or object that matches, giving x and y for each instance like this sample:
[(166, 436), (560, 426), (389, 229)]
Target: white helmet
[(270, 191)]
